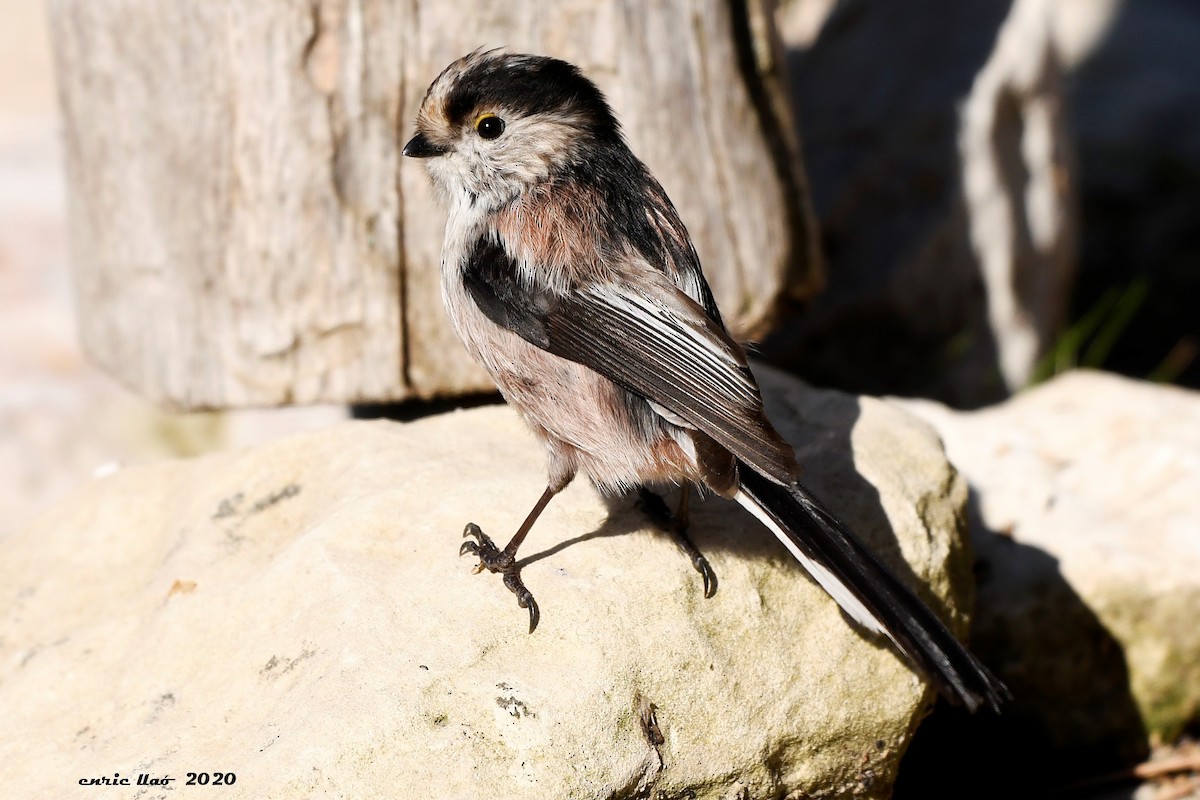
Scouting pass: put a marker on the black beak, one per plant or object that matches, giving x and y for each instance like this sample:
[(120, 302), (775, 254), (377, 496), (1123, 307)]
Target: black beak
[(420, 147)]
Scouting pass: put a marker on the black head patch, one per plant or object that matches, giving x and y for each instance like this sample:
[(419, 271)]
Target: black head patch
[(528, 84)]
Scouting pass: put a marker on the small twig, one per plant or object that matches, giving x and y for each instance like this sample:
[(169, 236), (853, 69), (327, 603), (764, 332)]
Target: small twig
[(1166, 766), (1147, 770)]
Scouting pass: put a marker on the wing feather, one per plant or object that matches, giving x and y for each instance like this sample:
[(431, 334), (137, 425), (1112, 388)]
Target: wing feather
[(651, 339)]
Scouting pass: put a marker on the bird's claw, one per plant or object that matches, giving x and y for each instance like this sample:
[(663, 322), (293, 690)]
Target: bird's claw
[(706, 572), (512, 579), (493, 559), (660, 515), (473, 547)]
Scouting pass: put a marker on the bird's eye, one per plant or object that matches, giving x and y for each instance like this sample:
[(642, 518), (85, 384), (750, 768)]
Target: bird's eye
[(489, 126)]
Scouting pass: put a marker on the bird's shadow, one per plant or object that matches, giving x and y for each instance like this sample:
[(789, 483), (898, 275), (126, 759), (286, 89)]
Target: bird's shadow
[(622, 518)]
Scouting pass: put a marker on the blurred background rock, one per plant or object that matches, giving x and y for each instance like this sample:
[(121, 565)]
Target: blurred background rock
[(60, 418), (891, 99)]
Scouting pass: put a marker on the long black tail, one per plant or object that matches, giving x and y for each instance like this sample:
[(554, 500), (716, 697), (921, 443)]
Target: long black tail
[(867, 590)]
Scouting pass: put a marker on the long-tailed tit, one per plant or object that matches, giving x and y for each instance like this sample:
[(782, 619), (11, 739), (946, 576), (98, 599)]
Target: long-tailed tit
[(569, 276)]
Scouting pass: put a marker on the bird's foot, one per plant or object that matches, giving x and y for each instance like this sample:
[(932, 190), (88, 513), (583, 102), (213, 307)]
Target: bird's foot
[(493, 559), (700, 564), (656, 509)]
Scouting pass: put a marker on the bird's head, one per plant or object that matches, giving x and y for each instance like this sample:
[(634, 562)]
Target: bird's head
[(493, 124)]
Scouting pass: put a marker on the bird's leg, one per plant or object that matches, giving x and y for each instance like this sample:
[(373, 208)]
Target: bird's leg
[(676, 524), (505, 561)]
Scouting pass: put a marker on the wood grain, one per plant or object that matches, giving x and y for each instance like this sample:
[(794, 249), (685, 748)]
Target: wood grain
[(245, 232)]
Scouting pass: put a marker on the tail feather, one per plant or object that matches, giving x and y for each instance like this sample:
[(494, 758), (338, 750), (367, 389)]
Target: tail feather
[(867, 590)]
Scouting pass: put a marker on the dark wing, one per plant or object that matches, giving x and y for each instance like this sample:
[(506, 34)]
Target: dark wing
[(651, 339)]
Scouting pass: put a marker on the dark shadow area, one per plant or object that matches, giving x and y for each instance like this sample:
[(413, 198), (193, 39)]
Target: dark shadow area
[(1072, 714), (876, 99), (1135, 108), (409, 410)]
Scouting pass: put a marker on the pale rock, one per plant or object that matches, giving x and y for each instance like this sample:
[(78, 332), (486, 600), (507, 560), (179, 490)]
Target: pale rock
[(1086, 524), (297, 614)]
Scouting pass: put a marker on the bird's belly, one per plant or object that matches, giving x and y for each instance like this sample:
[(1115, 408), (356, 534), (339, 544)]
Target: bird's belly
[(590, 424), (585, 420)]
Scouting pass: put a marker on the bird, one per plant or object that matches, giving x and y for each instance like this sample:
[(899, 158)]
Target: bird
[(568, 275)]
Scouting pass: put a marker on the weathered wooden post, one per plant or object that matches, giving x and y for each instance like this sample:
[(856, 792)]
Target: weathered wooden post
[(244, 231)]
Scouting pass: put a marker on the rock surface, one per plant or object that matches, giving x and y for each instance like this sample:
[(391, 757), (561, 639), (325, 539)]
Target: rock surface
[(1086, 525), (297, 614)]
